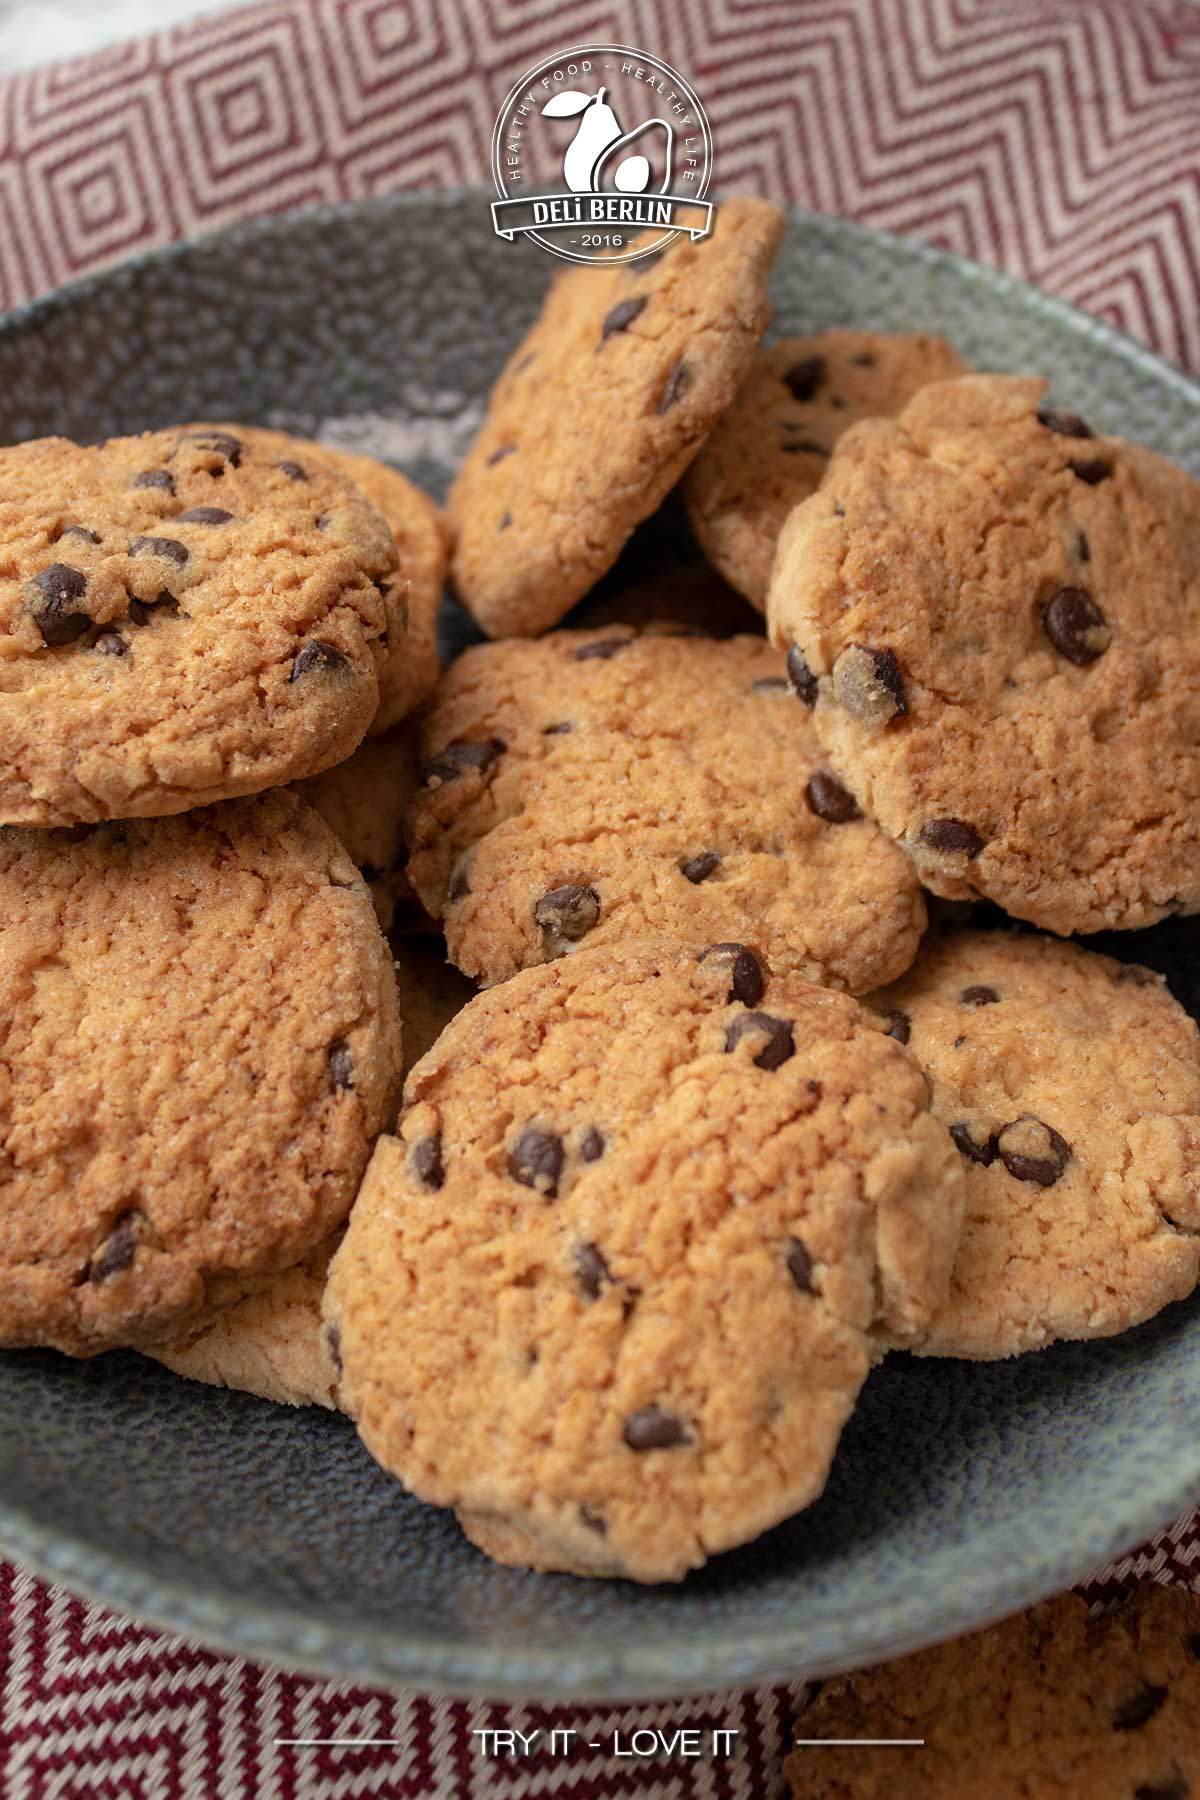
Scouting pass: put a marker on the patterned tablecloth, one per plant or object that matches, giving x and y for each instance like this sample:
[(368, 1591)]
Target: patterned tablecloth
[(1059, 139)]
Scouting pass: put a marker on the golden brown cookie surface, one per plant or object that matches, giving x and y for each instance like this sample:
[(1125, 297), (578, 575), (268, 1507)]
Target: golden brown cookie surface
[(597, 787), (599, 411), (613, 1289), (996, 614), (201, 1043), (183, 621)]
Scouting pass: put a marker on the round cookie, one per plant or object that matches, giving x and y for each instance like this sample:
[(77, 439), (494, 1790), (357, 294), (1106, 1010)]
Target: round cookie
[(1050, 1705), (597, 787), (270, 1342), (770, 449), (996, 615), (184, 621), (599, 411), (364, 801), (422, 540), (201, 1042), (613, 1290), (1071, 1086)]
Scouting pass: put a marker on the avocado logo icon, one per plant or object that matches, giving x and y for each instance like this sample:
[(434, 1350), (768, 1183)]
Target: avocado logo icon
[(630, 176)]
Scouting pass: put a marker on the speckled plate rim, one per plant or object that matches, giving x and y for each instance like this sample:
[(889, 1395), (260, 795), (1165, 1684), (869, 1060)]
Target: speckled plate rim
[(394, 1658)]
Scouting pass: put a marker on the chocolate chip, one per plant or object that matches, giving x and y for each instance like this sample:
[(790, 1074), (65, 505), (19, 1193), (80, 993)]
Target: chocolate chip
[(593, 1521), (426, 1161), (747, 980), (558, 729), (804, 378), (566, 914), (119, 1249), (800, 1265), (111, 643), (1032, 1150), (803, 447), (505, 521), (654, 1429), (458, 757), (221, 443), (1136, 975), (975, 1150), (1065, 424), (293, 470), (318, 656), (770, 684), (601, 651), (1139, 1708), (899, 1025), (155, 478), (674, 387), (591, 1271), (779, 1046), (58, 587), (621, 316), (170, 548), (829, 799), (804, 682), (978, 996), (864, 360), (699, 868), (499, 455), (80, 531), (341, 1065), (1083, 550), (869, 684), (1173, 1786), (592, 1147), (950, 836), (333, 1347), (536, 1160), (1092, 469), (205, 515), (1076, 626), (142, 611)]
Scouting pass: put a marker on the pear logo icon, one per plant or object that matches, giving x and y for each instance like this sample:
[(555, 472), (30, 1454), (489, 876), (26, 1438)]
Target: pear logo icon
[(602, 153)]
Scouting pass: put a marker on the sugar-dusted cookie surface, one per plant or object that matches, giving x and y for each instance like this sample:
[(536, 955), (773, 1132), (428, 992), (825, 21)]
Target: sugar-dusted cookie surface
[(422, 539), (201, 1043), (1050, 1705), (597, 787), (1071, 1086), (996, 614), (183, 620), (599, 411), (612, 1291), (770, 449)]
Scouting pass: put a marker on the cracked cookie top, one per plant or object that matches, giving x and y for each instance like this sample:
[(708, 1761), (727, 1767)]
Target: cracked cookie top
[(184, 617), (995, 613), (613, 1289), (596, 787), (201, 1041), (1070, 1086), (598, 412)]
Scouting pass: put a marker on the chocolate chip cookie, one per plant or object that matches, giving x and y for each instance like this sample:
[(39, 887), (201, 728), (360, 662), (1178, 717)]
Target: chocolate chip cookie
[(770, 450), (597, 787), (201, 1041), (994, 613), (1050, 1704), (613, 1289), (186, 620), (364, 802), (422, 539), (1070, 1085), (599, 411)]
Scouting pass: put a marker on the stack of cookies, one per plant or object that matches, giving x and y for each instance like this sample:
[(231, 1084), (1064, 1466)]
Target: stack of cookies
[(727, 1120)]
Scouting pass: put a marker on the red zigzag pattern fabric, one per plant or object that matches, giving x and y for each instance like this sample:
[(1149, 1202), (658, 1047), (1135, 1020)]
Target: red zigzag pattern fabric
[(1060, 141)]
